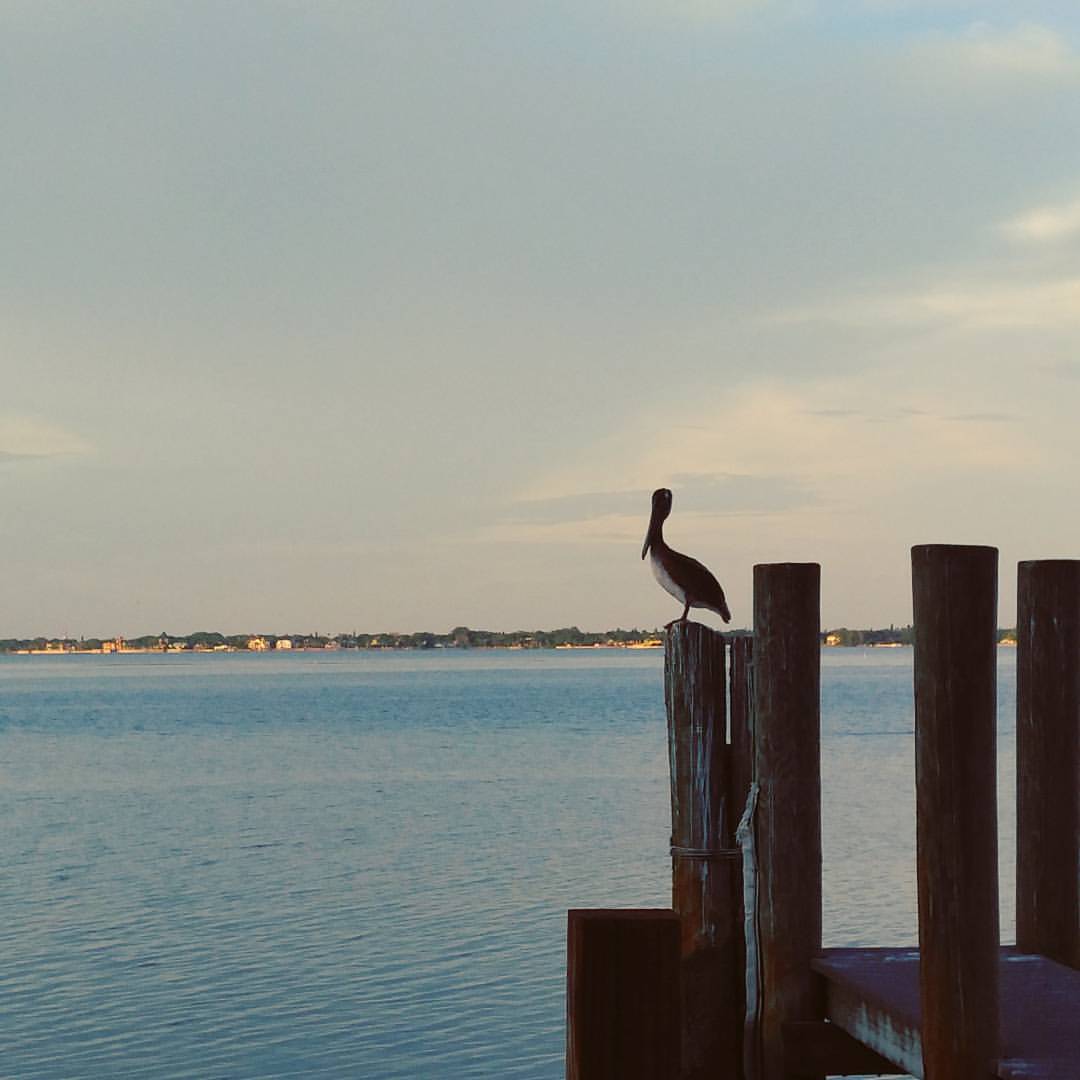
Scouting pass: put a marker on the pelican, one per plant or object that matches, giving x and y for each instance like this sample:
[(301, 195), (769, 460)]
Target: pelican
[(685, 578)]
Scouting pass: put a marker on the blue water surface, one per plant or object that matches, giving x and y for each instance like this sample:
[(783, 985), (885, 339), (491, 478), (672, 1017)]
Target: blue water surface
[(358, 864)]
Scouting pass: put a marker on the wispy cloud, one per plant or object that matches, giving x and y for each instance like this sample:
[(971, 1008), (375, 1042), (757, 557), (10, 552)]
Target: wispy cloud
[(794, 447), (719, 493), (26, 438), (605, 529), (984, 418), (973, 304), (1045, 224), (578, 506), (897, 415), (982, 50), (700, 11), (619, 516), (892, 6)]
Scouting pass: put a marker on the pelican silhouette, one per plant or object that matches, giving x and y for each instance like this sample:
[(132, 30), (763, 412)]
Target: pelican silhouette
[(691, 583)]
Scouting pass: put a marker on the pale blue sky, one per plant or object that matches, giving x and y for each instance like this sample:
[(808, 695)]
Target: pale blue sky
[(327, 315)]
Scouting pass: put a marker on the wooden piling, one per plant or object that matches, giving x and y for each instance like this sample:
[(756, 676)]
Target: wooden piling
[(787, 769), (623, 995), (705, 867), (1048, 759), (955, 604)]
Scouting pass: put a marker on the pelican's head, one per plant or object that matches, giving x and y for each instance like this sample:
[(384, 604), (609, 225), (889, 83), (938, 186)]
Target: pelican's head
[(661, 507)]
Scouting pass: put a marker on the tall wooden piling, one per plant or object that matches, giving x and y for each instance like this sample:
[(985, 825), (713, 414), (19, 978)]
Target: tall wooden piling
[(1048, 759), (787, 768), (705, 868), (623, 995), (955, 606)]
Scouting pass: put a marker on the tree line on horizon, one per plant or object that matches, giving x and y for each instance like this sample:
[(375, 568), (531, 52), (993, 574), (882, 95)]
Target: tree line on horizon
[(894, 635), (460, 637)]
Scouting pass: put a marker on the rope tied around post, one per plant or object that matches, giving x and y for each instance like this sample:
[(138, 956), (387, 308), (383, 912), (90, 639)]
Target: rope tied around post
[(680, 852)]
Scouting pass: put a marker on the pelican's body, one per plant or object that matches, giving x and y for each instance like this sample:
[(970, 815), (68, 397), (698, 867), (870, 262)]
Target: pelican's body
[(691, 583)]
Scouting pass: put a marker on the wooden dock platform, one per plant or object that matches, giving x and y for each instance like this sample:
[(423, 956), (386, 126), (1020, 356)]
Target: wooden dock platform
[(759, 998), (873, 994)]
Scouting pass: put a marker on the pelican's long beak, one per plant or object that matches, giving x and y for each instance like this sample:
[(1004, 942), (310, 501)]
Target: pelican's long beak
[(650, 536)]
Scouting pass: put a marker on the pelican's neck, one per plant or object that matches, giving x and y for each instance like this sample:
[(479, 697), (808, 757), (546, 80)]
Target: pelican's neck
[(656, 536)]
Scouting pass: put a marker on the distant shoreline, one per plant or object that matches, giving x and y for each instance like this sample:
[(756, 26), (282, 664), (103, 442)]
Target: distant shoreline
[(461, 637), (322, 649), (1004, 644)]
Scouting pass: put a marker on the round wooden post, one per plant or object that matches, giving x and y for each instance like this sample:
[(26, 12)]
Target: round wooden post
[(955, 602), (622, 995), (1048, 759), (705, 868), (787, 768)]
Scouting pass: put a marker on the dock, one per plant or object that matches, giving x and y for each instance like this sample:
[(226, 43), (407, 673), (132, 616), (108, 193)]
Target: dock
[(738, 985), (873, 995)]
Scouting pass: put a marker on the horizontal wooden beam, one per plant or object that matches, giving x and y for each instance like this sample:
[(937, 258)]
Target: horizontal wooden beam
[(814, 1048), (873, 994), (891, 1037)]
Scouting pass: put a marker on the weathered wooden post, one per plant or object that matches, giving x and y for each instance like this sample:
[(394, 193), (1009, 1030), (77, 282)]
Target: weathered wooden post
[(1048, 759), (787, 828), (705, 870), (623, 995), (955, 603)]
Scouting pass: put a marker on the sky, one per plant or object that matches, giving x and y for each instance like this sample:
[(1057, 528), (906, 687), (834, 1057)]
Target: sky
[(389, 316)]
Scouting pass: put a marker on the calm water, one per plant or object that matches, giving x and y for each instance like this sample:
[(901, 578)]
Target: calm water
[(359, 865)]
